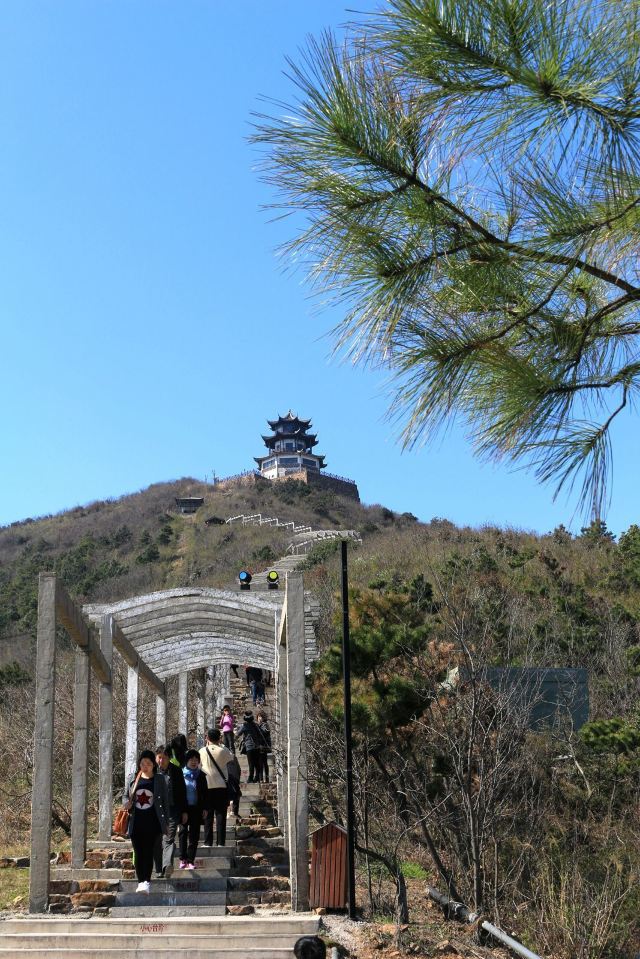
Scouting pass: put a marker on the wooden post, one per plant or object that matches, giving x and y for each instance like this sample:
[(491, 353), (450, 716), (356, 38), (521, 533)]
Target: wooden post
[(131, 744), (43, 744), (105, 774), (183, 710), (80, 764), (298, 793)]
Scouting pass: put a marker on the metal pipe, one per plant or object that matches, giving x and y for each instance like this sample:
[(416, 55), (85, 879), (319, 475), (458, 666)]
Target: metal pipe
[(457, 910)]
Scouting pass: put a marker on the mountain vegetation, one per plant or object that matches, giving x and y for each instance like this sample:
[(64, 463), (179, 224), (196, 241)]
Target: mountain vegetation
[(454, 782)]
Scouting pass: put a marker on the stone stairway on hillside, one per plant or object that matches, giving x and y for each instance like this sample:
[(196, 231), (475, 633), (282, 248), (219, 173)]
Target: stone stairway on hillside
[(249, 873), (303, 539), (38, 937)]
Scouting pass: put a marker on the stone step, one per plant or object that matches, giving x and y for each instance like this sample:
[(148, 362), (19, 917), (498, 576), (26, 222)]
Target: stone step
[(67, 873), (303, 924), (185, 941), (210, 951), (162, 913), (170, 897), (192, 881), (208, 867), (216, 852)]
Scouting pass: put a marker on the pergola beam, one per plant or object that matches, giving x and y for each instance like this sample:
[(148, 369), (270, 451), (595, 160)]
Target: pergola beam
[(133, 659), (83, 636)]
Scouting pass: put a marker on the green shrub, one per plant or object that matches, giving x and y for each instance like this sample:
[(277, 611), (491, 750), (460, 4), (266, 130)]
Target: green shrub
[(13, 675), (148, 555)]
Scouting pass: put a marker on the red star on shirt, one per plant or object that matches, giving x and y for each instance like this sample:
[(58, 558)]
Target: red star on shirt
[(143, 798)]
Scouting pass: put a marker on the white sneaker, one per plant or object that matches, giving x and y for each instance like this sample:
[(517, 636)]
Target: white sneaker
[(144, 887)]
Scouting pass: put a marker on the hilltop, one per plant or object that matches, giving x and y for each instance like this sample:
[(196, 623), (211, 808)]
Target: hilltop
[(553, 814), (112, 549)]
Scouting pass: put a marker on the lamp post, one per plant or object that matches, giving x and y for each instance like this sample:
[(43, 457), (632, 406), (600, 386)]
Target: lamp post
[(346, 674)]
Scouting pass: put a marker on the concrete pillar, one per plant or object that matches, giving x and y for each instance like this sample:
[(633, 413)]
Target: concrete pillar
[(43, 744), (209, 694), (80, 763), (161, 721), (223, 676), (200, 709), (105, 758), (183, 711), (298, 790), (131, 743), (279, 737)]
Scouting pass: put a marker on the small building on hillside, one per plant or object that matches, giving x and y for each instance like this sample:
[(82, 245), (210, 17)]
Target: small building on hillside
[(189, 504)]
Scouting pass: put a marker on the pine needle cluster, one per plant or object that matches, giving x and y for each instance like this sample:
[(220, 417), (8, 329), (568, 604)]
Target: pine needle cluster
[(467, 173)]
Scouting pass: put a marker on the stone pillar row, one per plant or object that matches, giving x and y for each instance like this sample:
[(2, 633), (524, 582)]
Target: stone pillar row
[(213, 689)]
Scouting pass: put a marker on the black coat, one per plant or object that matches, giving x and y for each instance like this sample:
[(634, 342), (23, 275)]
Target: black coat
[(252, 737), (178, 791)]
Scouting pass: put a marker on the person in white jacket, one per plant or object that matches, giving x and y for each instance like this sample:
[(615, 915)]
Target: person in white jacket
[(214, 760)]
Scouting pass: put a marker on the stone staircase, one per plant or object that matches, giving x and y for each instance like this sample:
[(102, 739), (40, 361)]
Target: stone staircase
[(140, 938), (303, 539)]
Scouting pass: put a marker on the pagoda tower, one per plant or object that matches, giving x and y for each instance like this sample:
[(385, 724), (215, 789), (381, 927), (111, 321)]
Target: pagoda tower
[(290, 448)]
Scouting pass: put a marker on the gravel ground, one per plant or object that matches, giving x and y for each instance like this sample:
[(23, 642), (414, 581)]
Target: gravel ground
[(346, 932)]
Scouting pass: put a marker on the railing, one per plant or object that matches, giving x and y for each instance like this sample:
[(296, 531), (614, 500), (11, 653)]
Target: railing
[(343, 479), (321, 534), (257, 519)]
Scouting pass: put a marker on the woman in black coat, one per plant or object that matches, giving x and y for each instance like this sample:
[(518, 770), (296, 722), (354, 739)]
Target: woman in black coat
[(251, 741), (147, 800)]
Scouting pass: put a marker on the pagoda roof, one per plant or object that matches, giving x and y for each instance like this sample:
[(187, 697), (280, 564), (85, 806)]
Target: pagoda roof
[(289, 418)]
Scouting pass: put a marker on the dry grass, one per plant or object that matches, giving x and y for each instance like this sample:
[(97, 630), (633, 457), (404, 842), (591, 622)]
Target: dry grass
[(14, 889)]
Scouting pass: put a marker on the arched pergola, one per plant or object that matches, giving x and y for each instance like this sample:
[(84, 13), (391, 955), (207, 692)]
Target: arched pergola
[(160, 635)]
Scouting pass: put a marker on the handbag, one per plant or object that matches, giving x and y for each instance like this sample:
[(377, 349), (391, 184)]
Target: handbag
[(121, 822), (122, 816)]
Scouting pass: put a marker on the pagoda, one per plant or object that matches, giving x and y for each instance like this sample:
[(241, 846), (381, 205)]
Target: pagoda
[(290, 448)]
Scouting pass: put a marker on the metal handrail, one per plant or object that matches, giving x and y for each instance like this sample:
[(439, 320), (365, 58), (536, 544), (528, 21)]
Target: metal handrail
[(257, 519), (323, 534)]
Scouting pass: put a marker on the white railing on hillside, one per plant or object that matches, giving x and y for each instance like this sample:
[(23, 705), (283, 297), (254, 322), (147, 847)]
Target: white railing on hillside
[(321, 534), (257, 519)]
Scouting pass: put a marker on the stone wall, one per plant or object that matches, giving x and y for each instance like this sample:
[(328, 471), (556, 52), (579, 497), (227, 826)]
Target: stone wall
[(335, 484)]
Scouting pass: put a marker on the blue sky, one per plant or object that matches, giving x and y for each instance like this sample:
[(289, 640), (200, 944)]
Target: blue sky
[(147, 327)]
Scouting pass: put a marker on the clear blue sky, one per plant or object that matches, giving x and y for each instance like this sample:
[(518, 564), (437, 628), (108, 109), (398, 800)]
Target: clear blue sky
[(147, 328)]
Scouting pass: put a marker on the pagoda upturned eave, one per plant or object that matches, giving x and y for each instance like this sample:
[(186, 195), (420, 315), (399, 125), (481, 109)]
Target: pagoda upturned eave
[(289, 418)]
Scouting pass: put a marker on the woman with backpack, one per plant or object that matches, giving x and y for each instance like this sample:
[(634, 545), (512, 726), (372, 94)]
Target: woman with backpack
[(264, 748), (252, 739)]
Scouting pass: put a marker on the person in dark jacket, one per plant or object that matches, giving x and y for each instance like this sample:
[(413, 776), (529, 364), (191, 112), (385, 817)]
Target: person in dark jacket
[(196, 797), (251, 740), (178, 750), (264, 747), (177, 811), (234, 775), (147, 800), (254, 682)]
